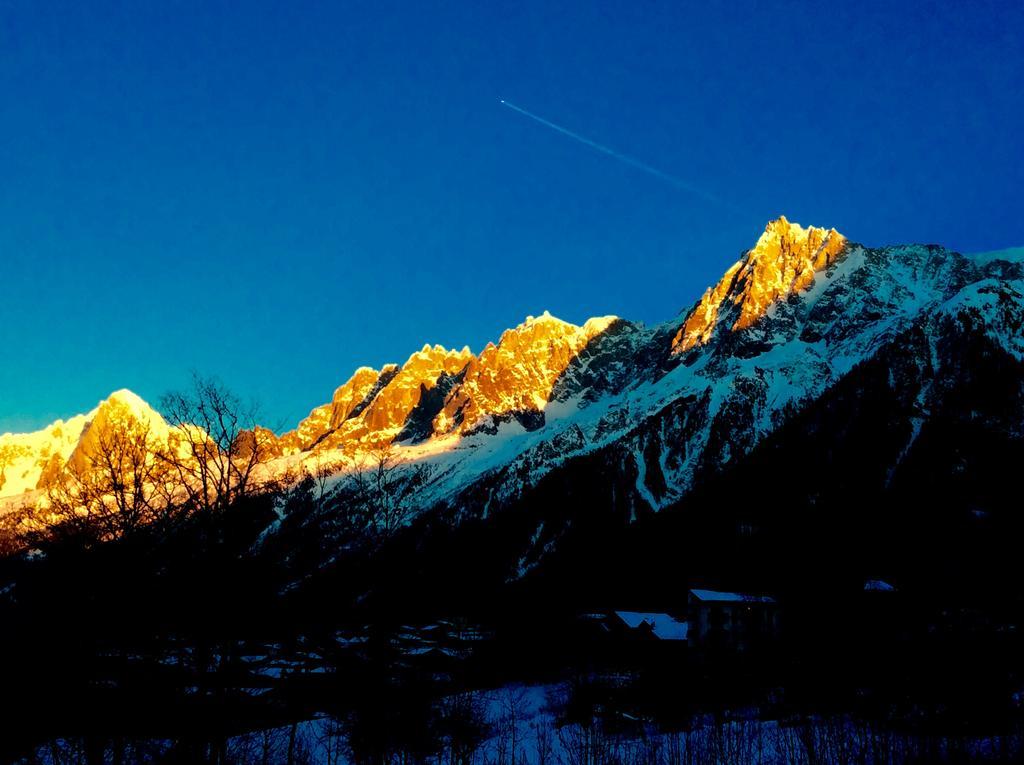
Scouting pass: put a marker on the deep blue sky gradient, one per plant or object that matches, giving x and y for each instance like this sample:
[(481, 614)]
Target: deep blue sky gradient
[(276, 193)]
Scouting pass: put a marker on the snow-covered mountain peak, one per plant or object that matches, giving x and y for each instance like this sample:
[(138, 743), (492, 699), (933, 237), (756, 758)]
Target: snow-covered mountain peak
[(783, 262), (122, 409), (29, 460), (24, 457), (130, 403)]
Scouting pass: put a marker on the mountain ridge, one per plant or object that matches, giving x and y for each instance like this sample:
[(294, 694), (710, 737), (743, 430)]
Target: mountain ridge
[(795, 314)]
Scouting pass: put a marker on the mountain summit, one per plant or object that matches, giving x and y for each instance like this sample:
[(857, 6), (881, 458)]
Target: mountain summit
[(784, 262), (30, 461)]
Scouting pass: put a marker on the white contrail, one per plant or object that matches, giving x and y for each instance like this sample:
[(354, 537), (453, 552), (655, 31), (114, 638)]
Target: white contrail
[(679, 183)]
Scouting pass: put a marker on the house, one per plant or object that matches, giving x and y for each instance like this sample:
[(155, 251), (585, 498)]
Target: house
[(648, 625), (731, 620)]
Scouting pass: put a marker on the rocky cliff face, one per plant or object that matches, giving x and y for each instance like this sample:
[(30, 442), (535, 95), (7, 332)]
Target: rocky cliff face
[(832, 398), (376, 406), (516, 376), (784, 262), (440, 392)]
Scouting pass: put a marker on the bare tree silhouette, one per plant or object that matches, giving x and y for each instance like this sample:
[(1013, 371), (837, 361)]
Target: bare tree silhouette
[(112, 488), (384, 487), (216, 447)]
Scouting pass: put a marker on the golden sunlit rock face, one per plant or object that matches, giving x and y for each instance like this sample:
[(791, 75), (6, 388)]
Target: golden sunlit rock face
[(390, 409), (123, 408), (373, 406), (30, 459), (518, 373), (33, 461), (783, 262), (447, 391), (327, 418)]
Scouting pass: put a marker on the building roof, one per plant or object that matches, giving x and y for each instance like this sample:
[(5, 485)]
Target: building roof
[(714, 596), (878, 585), (663, 626)]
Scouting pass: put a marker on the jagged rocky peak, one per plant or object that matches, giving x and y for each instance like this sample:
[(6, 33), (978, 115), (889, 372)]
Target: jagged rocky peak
[(348, 399), (439, 391), (784, 261), (374, 405), (518, 374), (392, 406)]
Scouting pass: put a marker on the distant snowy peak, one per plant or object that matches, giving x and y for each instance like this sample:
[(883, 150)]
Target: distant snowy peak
[(122, 409), (784, 262), (29, 461)]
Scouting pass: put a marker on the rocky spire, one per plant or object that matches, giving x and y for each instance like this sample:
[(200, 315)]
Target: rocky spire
[(518, 373), (515, 375), (784, 261)]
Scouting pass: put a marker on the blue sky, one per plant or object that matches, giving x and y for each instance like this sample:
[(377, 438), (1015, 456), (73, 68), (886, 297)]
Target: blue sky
[(276, 193)]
